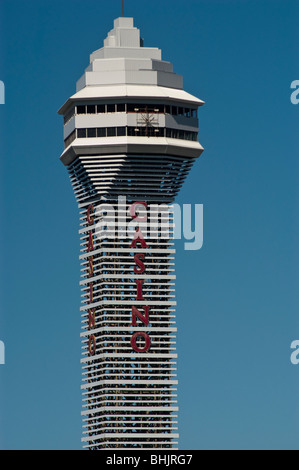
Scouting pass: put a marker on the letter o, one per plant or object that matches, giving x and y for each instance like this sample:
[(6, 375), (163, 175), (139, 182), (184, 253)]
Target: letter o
[(147, 342), (92, 344)]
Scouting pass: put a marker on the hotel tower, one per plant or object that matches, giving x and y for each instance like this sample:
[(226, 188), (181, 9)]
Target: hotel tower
[(130, 137)]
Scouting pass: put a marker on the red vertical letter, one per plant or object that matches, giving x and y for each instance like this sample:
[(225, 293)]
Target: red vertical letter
[(139, 283), (139, 263), (143, 318), (147, 342)]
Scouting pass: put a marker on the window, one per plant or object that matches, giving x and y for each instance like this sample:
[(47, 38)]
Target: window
[(174, 110), (111, 131), (69, 115), (69, 139), (121, 108), (101, 108), (132, 131), (181, 112), (91, 132), (158, 108), (167, 109), (121, 131), (194, 113), (81, 133), (91, 109), (101, 132), (81, 109), (110, 108)]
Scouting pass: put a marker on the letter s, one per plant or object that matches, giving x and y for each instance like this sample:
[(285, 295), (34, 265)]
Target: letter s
[(294, 95), (295, 354)]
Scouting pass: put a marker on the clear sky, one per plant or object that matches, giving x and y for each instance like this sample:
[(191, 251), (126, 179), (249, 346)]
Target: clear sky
[(238, 305)]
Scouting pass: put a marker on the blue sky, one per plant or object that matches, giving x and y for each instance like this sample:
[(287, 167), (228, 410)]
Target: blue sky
[(238, 306)]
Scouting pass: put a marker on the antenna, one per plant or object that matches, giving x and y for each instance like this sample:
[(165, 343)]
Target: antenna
[(123, 8)]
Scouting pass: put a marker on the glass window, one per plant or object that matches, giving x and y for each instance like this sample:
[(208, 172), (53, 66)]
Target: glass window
[(174, 110), (111, 131), (159, 108), (133, 108), (168, 133), (121, 108), (91, 132), (121, 131), (81, 133), (167, 109), (110, 108), (91, 109), (101, 108), (101, 132), (69, 139), (187, 112), (81, 109), (69, 115), (181, 111), (194, 113)]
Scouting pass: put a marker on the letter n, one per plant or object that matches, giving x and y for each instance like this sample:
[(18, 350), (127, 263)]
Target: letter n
[(143, 318)]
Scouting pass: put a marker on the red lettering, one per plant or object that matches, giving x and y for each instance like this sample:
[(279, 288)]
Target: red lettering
[(138, 238), (139, 283), (139, 263), (91, 292), (92, 318), (90, 242), (92, 345), (143, 318), (90, 267), (147, 339), (133, 211), (89, 219)]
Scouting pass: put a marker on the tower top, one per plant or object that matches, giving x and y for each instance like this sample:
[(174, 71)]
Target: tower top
[(123, 34), (123, 67)]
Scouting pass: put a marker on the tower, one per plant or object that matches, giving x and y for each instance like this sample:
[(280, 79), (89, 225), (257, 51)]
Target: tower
[(131, 137)]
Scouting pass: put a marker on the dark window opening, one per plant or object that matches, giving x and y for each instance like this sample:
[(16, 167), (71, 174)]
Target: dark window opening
[(121, 131), (136, 108), (121, 108), (91, 109), (101, 108), (81, 109), (111, 131), (101, 132), (134, 132), (81, 133), (110, 108), (91, 132)]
